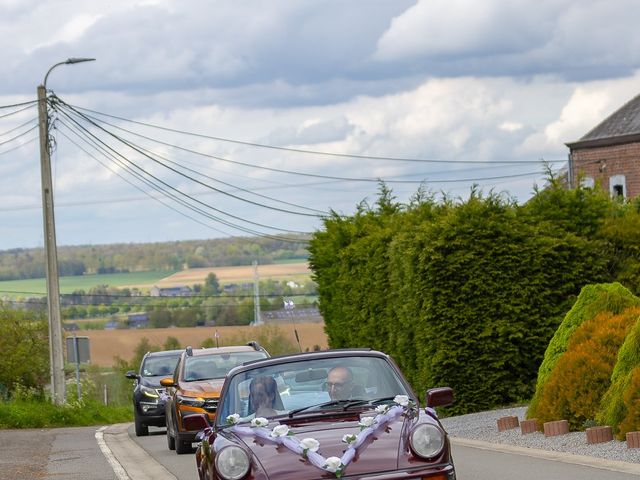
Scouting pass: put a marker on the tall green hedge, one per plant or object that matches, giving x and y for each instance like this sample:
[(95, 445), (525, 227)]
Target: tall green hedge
[(460, 293)]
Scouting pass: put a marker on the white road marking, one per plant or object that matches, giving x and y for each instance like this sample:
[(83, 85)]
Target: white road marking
[(120, 472)]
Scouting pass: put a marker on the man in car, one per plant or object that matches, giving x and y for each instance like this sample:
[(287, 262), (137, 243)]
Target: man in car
[(340, 384)]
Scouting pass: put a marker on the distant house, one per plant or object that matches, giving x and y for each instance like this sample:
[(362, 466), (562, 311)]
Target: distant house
[(111, 325), (180, 291), (609, 154), (138, 320)]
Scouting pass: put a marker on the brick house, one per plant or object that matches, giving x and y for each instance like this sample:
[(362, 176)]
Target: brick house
[(609, 154)]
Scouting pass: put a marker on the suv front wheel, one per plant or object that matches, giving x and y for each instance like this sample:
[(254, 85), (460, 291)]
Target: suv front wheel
[(142, 430), (182, 446)]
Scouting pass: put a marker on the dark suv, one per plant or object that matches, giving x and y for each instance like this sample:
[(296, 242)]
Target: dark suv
[(148, 395)]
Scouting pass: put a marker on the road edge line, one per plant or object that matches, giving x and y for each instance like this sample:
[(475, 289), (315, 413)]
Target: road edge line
[(117, 467), (595, 462)]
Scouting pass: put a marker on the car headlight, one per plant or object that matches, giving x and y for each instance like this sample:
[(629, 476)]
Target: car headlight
[(149, 392), (190, 401), (232, 463), (427, 440)]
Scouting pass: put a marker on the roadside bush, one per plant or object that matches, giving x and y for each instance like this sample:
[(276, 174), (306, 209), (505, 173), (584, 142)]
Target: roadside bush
[(593, 299), (631, 395), (619, 406), (582, 375), (25, 350)]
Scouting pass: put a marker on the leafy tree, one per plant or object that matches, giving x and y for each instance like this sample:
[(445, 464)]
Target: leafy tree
[(25, 350), (211, 285)]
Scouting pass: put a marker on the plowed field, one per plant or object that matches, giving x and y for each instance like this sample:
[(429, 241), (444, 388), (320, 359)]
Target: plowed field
[(105, 345)]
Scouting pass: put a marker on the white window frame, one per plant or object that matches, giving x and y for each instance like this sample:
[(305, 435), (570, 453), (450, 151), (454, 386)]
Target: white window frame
[(616, 180), (587, 182)]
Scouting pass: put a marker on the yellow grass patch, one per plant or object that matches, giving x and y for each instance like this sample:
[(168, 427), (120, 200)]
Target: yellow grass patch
[(105, 345)]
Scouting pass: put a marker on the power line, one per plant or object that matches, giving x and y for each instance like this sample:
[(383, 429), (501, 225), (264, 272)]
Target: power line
[(332, 177), (162, 190), (142, 152), (313, 152)]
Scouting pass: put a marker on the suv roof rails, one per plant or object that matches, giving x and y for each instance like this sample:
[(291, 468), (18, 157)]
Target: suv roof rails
[(256, 346)]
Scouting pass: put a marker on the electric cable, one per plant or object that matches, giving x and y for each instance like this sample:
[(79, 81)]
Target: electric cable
[(298, 150)]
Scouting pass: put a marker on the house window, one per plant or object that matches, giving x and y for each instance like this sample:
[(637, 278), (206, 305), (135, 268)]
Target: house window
[(587, 182), (617, 186)]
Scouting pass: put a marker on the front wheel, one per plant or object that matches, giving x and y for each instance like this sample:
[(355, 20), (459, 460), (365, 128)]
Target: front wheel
[(142, 430), (182, 446)]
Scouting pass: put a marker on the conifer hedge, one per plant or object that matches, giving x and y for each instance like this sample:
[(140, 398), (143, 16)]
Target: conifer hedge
[(467, 293)]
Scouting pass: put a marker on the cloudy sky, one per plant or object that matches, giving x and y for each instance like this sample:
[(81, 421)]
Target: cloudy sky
[(211, 118)]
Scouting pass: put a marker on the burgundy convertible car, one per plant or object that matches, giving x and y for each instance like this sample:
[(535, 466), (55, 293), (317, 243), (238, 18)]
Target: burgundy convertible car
[(322, 415)]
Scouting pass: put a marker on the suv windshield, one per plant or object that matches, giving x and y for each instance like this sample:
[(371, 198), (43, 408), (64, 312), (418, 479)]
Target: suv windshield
[(310, 386), (206, 367), (161, 365)]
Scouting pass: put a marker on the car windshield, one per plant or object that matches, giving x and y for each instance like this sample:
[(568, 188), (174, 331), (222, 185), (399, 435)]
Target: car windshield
[(161, 365), (310, 386), (206, 367)]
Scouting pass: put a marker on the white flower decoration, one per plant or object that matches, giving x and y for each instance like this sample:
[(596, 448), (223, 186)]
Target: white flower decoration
[(402, 400), (349, 438), (366, 422), (259, 422), (233, 419), (280, 431), (333, 464), (382, 409), (310, 444)]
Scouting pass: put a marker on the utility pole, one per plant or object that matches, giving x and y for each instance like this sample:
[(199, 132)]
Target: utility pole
[(51, 257), (56, 356), (256, 295)]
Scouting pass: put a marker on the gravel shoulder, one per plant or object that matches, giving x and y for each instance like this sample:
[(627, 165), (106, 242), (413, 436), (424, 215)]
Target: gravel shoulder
[(483, 427)]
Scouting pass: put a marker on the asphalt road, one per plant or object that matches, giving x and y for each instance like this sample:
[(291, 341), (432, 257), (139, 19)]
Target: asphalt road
[(114, 453)]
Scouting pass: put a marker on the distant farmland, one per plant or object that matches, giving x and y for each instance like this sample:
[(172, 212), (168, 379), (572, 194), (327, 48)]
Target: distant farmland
[(298, 272), (37, 286), (105, 345)]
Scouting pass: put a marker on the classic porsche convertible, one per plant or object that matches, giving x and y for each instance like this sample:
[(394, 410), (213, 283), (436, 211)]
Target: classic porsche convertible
[(321, 415)]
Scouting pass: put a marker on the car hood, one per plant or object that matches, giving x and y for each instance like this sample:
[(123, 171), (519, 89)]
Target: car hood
[(204, 388), (378, 453)]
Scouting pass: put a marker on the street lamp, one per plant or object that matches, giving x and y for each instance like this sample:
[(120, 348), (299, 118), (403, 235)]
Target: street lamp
[(50, 253)]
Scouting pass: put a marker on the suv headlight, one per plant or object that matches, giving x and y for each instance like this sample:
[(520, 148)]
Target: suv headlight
[(232, 463), (427, 440), (149, 392), (190, 401)]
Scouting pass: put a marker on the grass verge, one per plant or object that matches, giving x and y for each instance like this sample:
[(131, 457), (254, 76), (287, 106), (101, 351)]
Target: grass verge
[(42, 414)]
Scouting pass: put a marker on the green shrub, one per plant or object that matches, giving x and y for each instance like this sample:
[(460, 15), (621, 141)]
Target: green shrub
[(616, 408), (593, 299), (25, 350), (581, 376)]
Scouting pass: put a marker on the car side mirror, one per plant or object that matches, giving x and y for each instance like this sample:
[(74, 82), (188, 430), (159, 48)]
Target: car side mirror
[(167, 382), (439, 397), (131, 374)]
